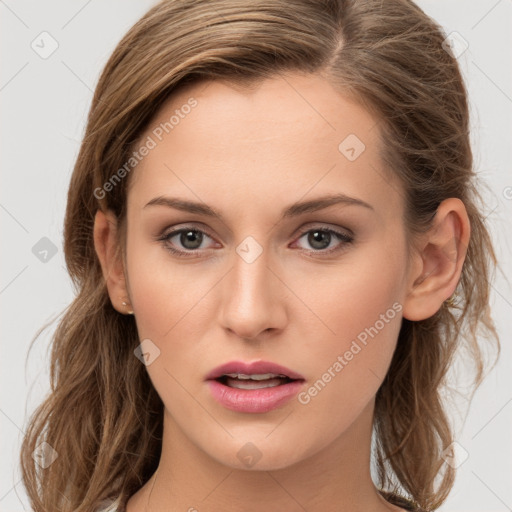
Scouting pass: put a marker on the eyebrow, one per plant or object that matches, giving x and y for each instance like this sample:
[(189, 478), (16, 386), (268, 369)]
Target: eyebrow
[(293, 210)]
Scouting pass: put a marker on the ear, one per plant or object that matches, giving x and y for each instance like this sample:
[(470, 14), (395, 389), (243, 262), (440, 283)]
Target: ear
[(109, 254), (438, 262)]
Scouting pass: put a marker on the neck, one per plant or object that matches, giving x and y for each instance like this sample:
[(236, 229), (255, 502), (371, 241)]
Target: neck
[(336, 478)]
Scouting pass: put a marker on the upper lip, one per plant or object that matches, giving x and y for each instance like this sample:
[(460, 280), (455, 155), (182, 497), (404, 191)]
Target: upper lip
[(256, 367)]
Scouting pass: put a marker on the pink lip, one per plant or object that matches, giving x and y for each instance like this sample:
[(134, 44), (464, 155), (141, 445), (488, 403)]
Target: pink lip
[(253, 400), (251, 368)]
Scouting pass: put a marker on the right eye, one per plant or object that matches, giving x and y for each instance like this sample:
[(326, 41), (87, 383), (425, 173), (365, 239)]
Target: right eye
[(189, 238)]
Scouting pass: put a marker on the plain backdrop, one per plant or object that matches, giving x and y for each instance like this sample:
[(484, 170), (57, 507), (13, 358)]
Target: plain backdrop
[(45, 100)]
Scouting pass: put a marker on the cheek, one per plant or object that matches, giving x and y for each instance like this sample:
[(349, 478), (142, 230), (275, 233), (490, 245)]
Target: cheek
[(363, 321), (350, 297), (164, 295), (360, 307), (347, 371)]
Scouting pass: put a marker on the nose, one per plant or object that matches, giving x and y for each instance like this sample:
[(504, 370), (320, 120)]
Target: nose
[(254, 298)]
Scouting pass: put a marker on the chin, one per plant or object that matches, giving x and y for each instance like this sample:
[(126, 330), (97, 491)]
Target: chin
[(259, 456)]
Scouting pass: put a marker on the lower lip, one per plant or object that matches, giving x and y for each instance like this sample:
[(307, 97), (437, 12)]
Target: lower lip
[(254, 400)]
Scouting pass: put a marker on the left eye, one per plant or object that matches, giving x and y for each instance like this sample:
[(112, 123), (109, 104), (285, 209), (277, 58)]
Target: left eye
[(191, 240), (320, 239)]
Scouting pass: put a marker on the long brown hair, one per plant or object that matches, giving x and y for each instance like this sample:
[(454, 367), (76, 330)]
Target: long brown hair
[(103, 417)]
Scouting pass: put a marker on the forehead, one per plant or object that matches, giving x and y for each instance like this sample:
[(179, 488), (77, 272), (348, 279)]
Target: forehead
[(268, 104), (287, 135)]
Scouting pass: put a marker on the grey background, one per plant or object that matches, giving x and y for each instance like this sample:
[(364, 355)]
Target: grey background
[(44, 105)]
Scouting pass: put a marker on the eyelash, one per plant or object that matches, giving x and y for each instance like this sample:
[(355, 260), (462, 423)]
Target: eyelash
[(342, 237)]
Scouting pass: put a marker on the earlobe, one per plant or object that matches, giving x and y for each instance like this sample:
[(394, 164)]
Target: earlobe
[(440, 259), (108, 251)]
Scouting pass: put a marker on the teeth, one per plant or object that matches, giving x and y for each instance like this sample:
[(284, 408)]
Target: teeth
[(253, 384), (255, 376)]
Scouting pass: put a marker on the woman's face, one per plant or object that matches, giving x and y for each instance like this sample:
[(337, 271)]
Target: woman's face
[(265, 279)]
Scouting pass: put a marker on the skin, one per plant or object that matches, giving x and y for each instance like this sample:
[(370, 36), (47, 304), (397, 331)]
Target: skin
[(263, 149)]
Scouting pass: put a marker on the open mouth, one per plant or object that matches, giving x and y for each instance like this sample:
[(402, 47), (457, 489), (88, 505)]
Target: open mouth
[(253, 392), (255, 381)]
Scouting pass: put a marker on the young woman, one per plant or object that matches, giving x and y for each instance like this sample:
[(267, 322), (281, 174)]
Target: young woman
[(276, 240)]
